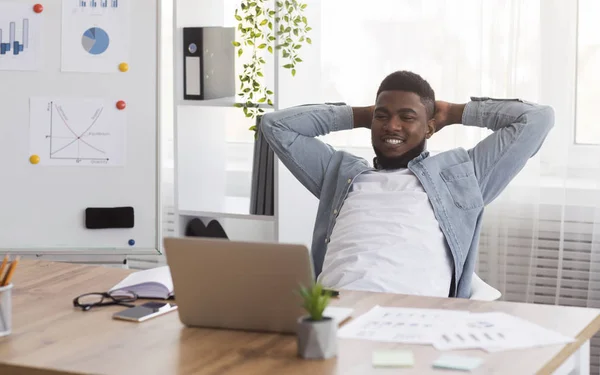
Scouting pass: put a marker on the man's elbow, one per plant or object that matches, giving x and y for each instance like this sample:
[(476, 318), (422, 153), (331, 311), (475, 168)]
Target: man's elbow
[(539, 123), (546, 118), (267, 123)]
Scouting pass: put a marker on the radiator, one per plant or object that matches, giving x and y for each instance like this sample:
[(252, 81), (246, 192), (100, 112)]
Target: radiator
[(547, 254)]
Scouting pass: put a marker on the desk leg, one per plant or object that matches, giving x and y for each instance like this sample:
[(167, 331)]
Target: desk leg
[(578, 363), (582, 360)]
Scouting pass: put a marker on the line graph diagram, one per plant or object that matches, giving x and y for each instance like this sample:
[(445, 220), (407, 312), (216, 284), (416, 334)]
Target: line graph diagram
[(66, 143), (76, 132)]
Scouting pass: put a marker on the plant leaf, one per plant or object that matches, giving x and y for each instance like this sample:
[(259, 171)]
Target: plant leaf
[(293, 72), (308, 40), (264, 22), (270, 49), (235, 43), (262, 46), (288, 66), (240, 51), (298, 59), (238, 17), (260, 74)]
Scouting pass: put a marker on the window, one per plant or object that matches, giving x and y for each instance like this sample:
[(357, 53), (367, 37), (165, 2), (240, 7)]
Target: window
[(587, 129), (462, 49)]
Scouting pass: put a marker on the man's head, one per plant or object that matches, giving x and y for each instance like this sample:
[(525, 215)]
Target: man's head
[(402, 119)]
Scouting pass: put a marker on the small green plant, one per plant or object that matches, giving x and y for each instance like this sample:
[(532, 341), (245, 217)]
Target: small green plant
[(315, 299)]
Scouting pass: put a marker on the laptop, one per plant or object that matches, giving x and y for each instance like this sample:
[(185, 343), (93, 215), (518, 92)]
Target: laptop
[(251, 286)]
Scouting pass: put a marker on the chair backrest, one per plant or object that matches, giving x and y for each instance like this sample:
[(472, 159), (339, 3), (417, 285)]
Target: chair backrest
[(482, 291)]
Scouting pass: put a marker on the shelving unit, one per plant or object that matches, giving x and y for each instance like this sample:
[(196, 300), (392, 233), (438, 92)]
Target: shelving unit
[(220, 102), (214, 148)]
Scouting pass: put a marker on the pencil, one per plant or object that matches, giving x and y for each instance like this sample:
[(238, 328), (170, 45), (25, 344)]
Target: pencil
[(3, 265), (11, 271)]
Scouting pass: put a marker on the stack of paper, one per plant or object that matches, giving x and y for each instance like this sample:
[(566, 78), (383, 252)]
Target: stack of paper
[(450, 329)]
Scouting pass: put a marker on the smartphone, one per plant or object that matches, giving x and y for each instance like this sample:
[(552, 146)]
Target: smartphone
[(145, 311)]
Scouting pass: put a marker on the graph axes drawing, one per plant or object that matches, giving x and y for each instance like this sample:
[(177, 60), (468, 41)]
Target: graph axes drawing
[(75, 140)]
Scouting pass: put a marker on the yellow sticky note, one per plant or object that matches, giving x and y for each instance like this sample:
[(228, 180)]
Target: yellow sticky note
[(393, 358)]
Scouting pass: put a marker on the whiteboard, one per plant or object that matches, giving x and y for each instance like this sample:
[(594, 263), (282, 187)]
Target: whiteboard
[(42, 206)]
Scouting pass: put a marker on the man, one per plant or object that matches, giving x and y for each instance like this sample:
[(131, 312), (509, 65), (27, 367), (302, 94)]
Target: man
[(411, 223)]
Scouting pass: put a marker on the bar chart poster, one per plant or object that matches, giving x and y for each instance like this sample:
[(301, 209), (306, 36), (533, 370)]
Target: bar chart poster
[(19, 36), (86, 132), (95, 35)]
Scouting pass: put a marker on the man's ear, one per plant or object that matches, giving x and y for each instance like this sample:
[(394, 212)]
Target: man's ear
[(430, 128)]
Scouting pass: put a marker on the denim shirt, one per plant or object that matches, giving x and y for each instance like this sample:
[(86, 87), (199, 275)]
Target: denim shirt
[(458, 182)]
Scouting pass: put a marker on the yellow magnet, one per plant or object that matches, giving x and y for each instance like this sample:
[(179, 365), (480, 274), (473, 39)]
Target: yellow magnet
[(34, 159), (123, 67)]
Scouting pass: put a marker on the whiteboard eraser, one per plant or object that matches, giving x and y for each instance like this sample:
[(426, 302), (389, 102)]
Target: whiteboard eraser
[(109, 217)]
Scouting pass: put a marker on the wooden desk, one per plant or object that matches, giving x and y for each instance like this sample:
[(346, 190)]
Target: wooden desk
[(51, 337)]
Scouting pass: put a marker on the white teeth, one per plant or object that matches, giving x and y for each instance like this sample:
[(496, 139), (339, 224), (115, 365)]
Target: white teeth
[(393, 141)]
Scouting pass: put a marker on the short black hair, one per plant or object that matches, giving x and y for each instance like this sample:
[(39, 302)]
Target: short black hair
[(403, 80)]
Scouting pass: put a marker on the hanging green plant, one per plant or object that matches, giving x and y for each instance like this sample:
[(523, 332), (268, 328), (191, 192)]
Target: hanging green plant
[(261, 25)]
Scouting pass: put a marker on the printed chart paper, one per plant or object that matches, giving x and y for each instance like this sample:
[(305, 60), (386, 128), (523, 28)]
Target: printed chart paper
[(19, 36), (77, 132), (395, 324), (496, 331), (449, 329), (95, 35)]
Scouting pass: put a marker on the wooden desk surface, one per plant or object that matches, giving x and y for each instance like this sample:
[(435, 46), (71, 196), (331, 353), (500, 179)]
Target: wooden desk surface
[(51, 337)]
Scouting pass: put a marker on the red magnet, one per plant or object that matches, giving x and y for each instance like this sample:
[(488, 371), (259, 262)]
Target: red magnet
[(121, 104), (38, 8)]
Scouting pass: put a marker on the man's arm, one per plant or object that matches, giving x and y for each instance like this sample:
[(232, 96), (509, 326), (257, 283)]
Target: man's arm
[(519, 129), (292, 133)]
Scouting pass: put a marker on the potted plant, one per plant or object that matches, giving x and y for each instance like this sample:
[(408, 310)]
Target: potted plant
[(317, 334)]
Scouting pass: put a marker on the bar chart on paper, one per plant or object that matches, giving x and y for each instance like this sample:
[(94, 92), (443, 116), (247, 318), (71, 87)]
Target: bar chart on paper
[(76, 132), (14, 46), (19, 37), (96, 5), (95, 36)]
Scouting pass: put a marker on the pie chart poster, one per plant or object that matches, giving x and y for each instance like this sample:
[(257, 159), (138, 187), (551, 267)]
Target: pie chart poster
[(95, 35)]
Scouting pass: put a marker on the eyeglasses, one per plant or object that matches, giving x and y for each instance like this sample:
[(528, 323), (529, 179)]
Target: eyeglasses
[(89, 300)]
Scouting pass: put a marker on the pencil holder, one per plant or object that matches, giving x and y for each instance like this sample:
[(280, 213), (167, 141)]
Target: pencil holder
[(6, 310)]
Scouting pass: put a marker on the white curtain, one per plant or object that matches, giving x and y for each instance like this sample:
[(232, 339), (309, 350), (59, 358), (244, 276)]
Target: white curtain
[(540, 239)]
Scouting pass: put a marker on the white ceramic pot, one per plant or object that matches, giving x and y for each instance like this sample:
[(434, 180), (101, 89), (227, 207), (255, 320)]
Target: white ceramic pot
[(317, 339)]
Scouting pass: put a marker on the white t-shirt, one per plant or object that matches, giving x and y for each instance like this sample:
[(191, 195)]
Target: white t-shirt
[(387, 239)]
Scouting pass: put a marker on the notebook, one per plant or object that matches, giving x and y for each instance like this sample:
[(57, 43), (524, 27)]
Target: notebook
[(151, 283)]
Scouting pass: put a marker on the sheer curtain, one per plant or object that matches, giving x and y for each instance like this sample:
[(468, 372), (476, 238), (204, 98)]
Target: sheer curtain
[(540, 238)]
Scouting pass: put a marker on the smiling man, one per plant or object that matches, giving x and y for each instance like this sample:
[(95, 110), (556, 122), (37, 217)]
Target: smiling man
[(410, 223)]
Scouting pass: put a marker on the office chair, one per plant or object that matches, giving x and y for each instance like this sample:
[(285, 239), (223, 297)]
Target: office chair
[(481, 291)]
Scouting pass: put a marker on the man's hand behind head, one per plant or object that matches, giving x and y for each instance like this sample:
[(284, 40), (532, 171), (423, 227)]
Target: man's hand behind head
[(447, 114)]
